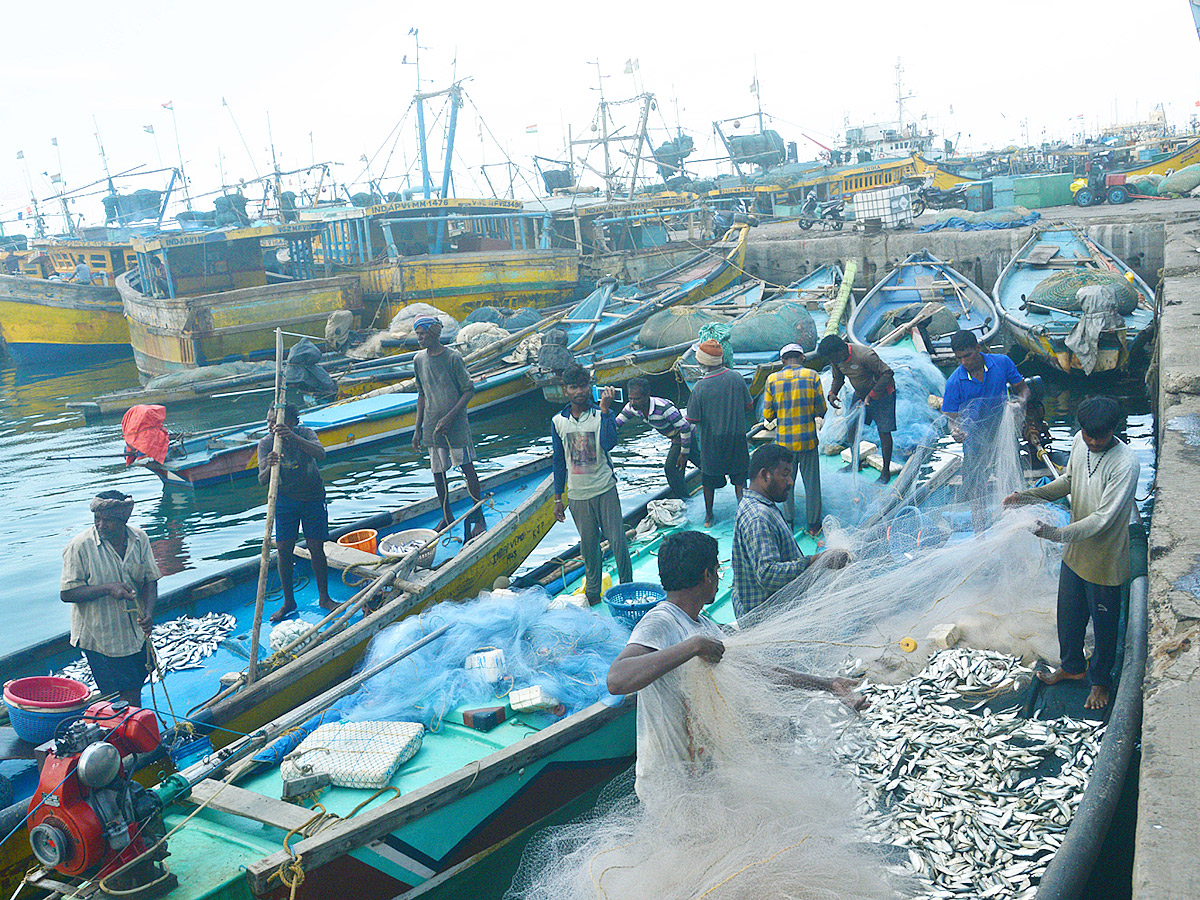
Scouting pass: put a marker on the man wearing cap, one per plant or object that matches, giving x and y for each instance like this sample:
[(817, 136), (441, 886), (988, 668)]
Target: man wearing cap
[(720, 408), (874, 386), (793, 400), (110, 578), (444, 388)]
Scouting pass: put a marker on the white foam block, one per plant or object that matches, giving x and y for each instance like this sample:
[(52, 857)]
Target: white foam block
[(944, 636)]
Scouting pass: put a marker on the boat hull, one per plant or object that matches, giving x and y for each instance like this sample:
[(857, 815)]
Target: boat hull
[(51, 321), (187, 332)]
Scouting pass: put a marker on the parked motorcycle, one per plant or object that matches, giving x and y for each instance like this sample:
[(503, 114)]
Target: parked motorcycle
[(830, 213), (938, 198)]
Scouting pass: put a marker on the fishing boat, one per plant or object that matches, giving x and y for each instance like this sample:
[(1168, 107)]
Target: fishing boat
[(518, 511), (200, 298), (924, 297), (46, 320), (347, 425), (1043, 330)]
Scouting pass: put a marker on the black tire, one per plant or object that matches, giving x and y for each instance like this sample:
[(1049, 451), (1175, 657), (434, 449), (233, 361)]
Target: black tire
[(1084, 197), (960, 202), (1118, 194), (837, 224), (918, 207), (805, 224)]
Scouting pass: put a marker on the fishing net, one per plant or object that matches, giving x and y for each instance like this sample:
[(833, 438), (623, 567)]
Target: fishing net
[(781, 798), (772, 325), (509, 319), (719, 332), (1060, 290), (1184, 181), (675, 325), (940, 324), (564, 651)]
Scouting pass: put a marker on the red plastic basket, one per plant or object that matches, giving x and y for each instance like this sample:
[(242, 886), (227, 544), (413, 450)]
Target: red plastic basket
[(46, 692)]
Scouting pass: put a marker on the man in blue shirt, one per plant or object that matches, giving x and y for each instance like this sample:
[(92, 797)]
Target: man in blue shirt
[(974, 401)]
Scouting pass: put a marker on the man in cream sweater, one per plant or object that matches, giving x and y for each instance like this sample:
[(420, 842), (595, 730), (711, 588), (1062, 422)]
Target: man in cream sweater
[(1101, 477)]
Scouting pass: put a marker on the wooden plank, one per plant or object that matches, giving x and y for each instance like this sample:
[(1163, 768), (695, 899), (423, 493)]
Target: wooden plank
[(899, 331), (339, 556), (348, 834), (1040, 254), (229, 798)]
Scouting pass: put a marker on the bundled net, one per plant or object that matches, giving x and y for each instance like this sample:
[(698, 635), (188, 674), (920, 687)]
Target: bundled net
[(777, 801), (940, 324), (1060, 290), (675, 325), (772, 325), (1184, 181)]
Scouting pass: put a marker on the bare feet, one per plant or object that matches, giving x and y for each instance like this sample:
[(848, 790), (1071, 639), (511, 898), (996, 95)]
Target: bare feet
[(884, 477), (1059, 675), (477, 529), (814, 531), (283, 612), (708, 520), (1097, 698), (328, 605), (445, 523)]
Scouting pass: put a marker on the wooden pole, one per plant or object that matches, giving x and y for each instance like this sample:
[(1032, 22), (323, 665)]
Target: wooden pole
[(264, 566), (843, 298)]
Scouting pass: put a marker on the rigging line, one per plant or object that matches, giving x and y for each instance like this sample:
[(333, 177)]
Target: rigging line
[(399, 132)]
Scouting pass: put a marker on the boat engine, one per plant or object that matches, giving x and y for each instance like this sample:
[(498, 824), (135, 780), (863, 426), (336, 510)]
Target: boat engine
[(88, 817)]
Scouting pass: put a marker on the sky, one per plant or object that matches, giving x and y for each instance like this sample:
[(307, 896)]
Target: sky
[(335, 82)]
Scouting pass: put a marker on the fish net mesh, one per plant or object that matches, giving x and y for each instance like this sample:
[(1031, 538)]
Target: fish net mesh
[(772, 805), (1060, 290)]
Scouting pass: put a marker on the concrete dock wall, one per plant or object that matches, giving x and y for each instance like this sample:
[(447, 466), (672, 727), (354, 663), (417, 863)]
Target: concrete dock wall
[(1166, 859)]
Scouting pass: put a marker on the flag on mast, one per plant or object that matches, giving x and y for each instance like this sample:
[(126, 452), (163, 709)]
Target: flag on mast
[(631, 66), (170, 104), (54, 142), (149, 129), (531, 129)]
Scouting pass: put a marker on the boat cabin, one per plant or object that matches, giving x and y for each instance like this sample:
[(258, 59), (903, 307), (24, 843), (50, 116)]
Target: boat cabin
[(107, 259), (194, 263), (594, 225)]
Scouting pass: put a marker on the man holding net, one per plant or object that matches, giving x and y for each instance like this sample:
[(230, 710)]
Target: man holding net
[(874, 386), (765, 553), (1101, 477), (974, 401)]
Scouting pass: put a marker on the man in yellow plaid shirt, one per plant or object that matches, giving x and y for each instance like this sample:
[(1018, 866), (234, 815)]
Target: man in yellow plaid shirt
[(793, 400)]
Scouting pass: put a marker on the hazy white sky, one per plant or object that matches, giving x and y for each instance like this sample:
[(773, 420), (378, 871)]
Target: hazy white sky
[(330, 75)]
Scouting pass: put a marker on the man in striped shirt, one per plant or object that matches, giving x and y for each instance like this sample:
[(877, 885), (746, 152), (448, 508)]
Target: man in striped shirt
[(668, 421), (793, 400)]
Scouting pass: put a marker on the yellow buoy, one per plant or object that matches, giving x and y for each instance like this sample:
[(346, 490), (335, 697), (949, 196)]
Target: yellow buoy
[(908, 645)]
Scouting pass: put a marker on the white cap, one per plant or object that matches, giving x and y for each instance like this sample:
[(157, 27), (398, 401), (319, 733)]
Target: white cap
[(791, 348)]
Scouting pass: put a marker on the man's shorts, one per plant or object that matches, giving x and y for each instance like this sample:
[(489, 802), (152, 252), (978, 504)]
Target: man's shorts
[(718, 481), (443, 458), (117, 673), (289, 514), (882, 413)]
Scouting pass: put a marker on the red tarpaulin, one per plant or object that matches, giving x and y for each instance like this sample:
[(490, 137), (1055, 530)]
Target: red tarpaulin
[(144, 434)]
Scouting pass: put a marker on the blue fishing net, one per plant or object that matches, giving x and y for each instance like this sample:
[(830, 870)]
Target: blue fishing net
[(564, 651)]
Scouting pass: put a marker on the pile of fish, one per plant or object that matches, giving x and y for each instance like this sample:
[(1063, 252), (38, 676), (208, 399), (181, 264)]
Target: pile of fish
[(179, 644), (980, 800)]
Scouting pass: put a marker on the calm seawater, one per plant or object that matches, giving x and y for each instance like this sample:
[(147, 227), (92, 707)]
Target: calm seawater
[(52, 463)]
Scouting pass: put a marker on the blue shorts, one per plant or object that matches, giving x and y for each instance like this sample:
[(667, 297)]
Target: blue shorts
[(882, 413), (115, 674), (289, 514)]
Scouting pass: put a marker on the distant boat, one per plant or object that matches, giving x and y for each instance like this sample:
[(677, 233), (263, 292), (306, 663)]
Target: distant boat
[(1043, 330), (908, 290)]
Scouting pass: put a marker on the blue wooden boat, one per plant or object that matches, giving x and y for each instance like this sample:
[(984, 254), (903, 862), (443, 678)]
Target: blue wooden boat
[(1043, 331), (922, 279)]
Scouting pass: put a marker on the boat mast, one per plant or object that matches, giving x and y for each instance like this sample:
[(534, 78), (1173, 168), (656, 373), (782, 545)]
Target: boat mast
[(62, 199), (900, 98), (603, 112), (39, 223), (187, 197), (426, 181), (647, 102)]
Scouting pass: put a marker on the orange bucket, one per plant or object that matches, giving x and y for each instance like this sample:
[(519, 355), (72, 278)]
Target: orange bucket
[(363, 540)]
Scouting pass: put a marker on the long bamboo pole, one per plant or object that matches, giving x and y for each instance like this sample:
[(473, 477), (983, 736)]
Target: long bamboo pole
[(264, 566), (843, 298)]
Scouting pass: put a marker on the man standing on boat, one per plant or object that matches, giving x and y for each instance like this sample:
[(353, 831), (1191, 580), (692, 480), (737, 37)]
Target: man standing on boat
[(793, 400), (874, 387), (720, 408), (110, 578), (444, 388), (765, 553), (83, 272), (1101, 477), (668, 421), (301, 499), (974, 401), (582, 437)]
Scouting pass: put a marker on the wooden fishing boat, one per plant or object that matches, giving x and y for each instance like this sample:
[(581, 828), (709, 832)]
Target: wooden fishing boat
[(44, 320), (518, 512), (919, 290), (348, 425), (1043, 330), (202, 298)]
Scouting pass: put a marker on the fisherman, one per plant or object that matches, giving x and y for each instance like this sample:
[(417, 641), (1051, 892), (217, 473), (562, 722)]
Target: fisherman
[(974, 402), (444, 388), (110, 578), (12, 264), (671, 634), (668, 421), (765, 553), (83, 272), (1101, 477), (874, 386), (720, 408), (301, 500), (582, 437), (793, 400)]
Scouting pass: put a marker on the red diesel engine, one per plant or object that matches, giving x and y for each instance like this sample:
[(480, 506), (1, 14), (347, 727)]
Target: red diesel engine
[(88, 817)]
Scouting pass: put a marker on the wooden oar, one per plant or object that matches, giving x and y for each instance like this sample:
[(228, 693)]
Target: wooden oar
[(264, 566)]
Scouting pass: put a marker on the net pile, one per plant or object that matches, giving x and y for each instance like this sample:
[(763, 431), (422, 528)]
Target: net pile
[(1184, 181), (776, 811), (1060, 290), (773, 325), (675, 325)]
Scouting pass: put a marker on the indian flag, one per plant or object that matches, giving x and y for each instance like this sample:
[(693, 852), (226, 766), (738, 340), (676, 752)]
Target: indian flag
[(531, 129)]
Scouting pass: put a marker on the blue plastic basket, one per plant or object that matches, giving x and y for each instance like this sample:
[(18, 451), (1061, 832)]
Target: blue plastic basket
[(37, 726), (627, 603)]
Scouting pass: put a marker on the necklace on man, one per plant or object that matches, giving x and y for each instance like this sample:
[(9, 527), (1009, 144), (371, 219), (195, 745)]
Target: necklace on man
[(1099, 459)]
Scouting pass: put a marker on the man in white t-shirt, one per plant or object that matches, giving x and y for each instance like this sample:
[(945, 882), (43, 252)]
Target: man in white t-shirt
[(669, 635)]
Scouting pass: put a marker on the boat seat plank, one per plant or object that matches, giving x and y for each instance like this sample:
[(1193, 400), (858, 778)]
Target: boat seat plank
[(249, 805), (339, 556), (1040, 254)]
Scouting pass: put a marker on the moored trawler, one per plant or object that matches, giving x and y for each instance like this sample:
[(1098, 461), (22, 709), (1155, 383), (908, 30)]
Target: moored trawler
[(202, 298)]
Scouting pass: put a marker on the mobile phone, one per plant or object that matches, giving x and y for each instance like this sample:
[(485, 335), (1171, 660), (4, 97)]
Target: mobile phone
[(597, 390)]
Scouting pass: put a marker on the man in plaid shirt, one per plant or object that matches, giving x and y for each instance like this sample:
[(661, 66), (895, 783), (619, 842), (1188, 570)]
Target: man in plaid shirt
[(793, 400)]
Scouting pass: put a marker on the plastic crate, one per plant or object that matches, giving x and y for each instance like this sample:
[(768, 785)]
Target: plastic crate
[(891, 207), (627, 603)]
